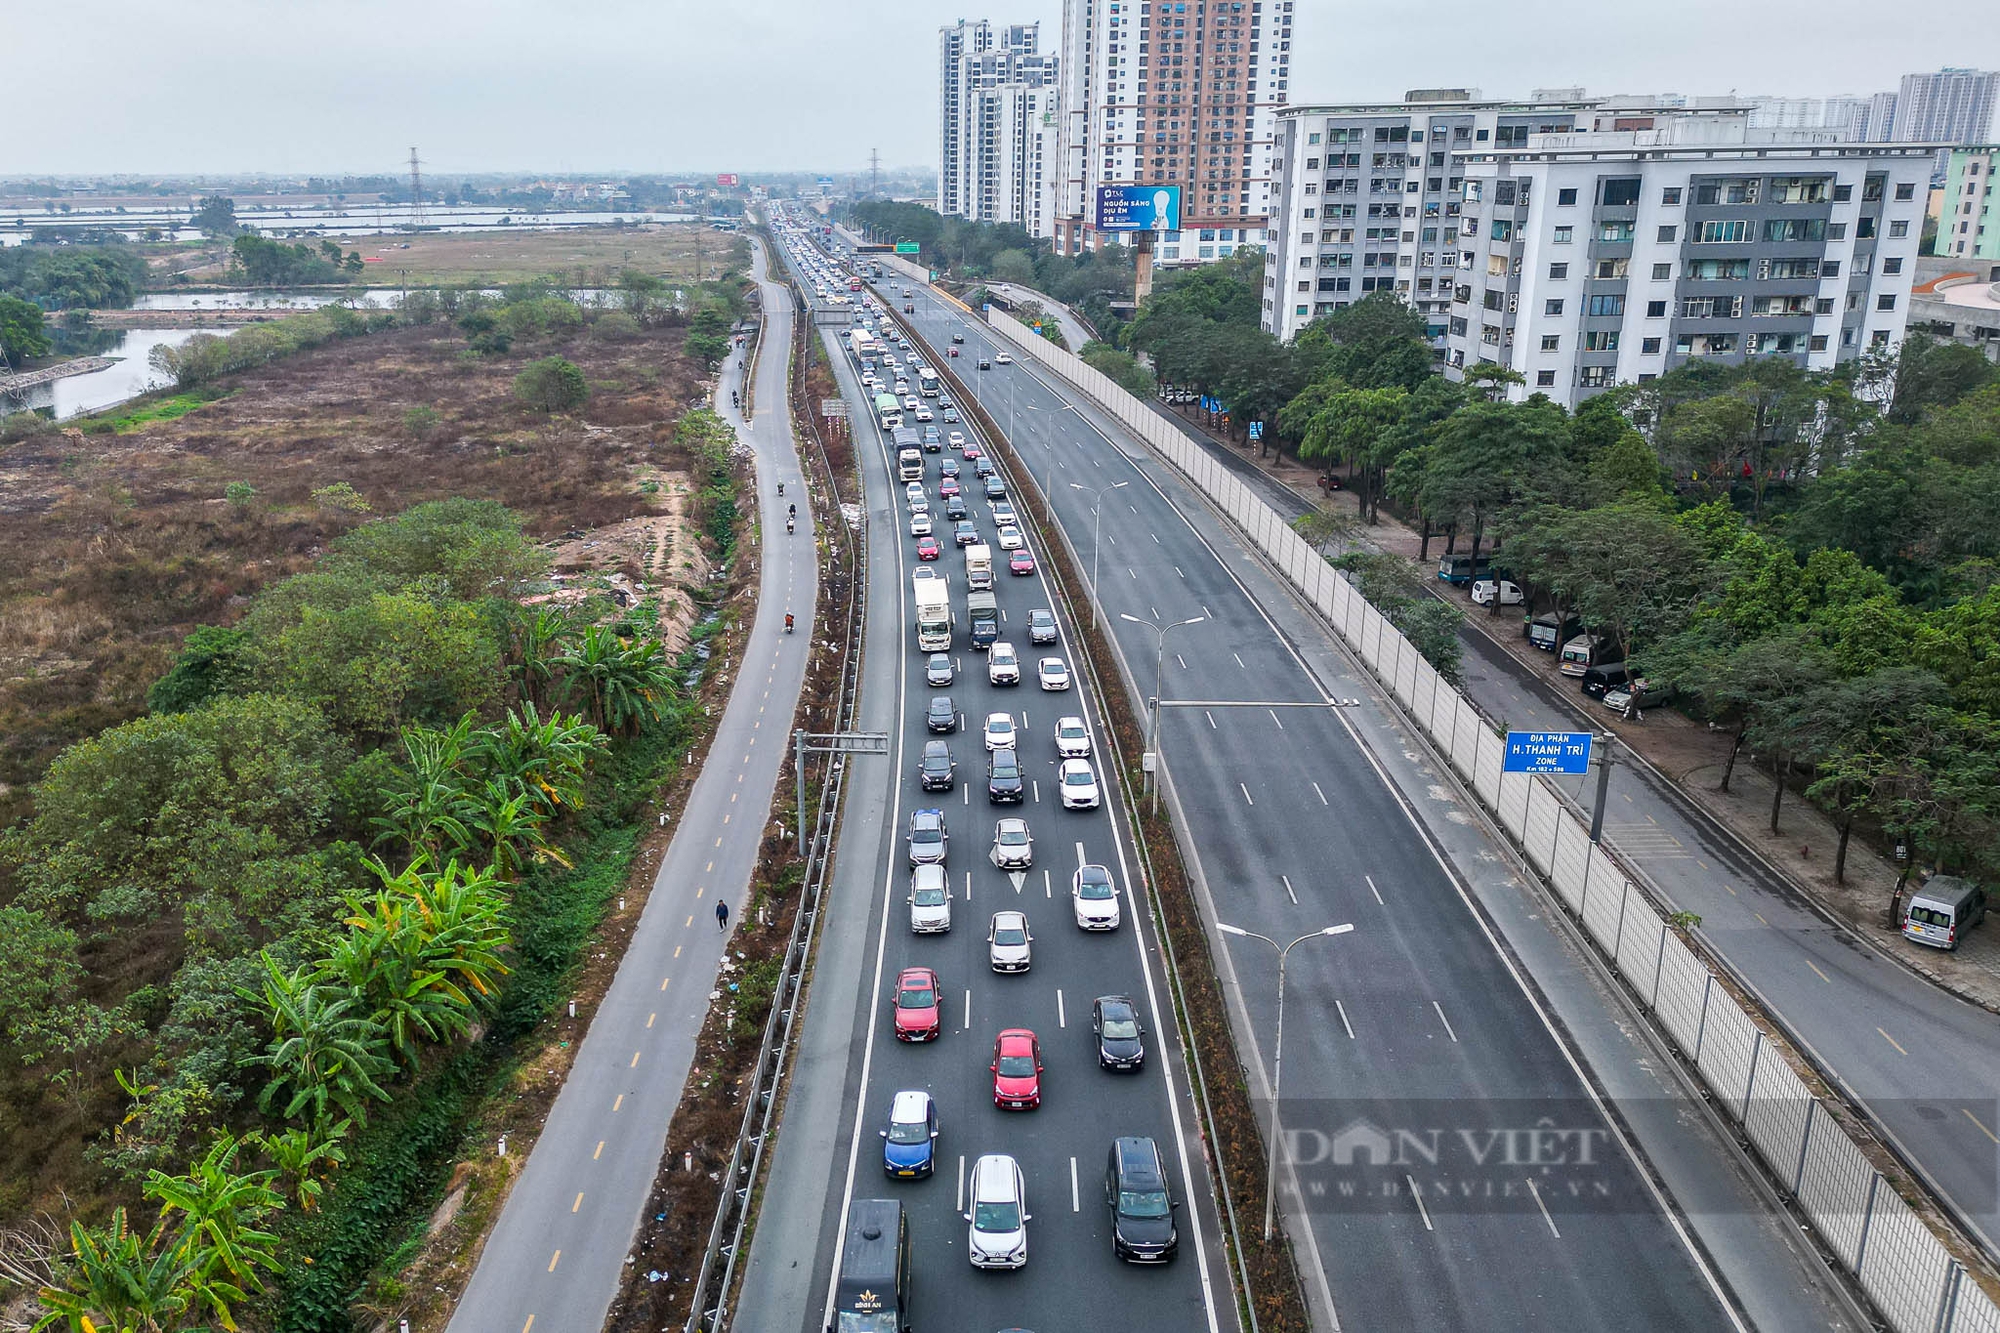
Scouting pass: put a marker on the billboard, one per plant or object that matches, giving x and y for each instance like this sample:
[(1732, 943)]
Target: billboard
[(727, 179), (1138, 208)]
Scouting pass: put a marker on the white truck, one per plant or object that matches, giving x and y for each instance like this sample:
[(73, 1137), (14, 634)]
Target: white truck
[(933, 615), (979, 567)]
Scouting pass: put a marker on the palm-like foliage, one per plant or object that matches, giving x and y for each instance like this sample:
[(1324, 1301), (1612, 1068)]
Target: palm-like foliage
[(429, 810), (624, 684), (326, 1050), (382, 964), (540, 639), (297, 1155), (462, 915), (116, 1279), (512, 827), (220, 1235), (548, 759)]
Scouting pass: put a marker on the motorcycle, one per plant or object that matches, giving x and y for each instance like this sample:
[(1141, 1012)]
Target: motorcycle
[(788, 622), (790, 525)]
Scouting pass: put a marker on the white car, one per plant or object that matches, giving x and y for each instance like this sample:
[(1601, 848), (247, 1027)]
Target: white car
[(920, 524), (1072, 738), (924, 412), (1010, 539), (998, 1211), (1078, 784), (914, 493), (999, 731), (1003, 515), (910, 401), (1013, 845), (1053, 673), (1009, 946), (1510, 594), (1003, 664), (957, 438), (930, 900), (1003, 359), (1094, 898)]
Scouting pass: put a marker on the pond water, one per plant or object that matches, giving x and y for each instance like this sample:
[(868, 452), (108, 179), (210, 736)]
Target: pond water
[(128, 377)]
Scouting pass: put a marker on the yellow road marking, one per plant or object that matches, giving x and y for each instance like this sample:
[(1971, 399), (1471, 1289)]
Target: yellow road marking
[(579, 1202), (1982, 1128), (1821, 975), (1893, 1042), (635, 1061), (1758, 915), (554, 1259), (600, 1151), (677, 952), (650, 1018), (617, 1102), (530, 1324)]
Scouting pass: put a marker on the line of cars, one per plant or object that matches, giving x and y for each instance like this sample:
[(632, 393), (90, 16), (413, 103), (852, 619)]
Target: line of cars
[(1137, 1190)]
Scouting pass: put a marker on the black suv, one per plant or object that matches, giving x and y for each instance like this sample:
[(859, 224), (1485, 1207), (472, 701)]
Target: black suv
[(958, 337), (954, 507), (1003, 778), (943, 714), (1142, 1206), (935, 768), (1121, 1036)]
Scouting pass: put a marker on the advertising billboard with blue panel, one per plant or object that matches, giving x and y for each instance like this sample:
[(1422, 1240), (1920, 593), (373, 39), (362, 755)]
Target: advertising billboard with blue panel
[(1138, 208)]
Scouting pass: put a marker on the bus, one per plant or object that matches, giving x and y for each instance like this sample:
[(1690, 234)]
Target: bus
[(888, 411), (927, 382), (854, 284)]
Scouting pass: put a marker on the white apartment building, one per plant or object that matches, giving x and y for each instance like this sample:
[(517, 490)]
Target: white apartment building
[(1172, 92), (1613, 255), (1367, 196), (998, 128)]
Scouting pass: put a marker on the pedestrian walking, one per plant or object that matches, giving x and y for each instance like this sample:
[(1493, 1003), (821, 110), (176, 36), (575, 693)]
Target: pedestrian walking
[(721, 916)]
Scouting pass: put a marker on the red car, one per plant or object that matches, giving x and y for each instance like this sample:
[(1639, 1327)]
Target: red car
[(1017, 1070), (1021, 562), (971, 449), (948, 487), (952, 352), (927, 548), (919, 1005)]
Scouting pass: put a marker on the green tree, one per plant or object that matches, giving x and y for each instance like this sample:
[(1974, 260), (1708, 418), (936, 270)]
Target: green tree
[(23, 335), (326, 1053), (213, 662), (624, 685), (215, 215), (1485, 452), (221, 1210), (552, 385)]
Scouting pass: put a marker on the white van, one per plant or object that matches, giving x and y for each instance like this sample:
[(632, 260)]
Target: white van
[(1940, 912)]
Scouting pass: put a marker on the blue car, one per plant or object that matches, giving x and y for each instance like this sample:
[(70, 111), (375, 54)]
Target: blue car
[(909, 1144)]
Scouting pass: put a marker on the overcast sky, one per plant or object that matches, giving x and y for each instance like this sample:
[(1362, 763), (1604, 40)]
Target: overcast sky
[(772, 85)]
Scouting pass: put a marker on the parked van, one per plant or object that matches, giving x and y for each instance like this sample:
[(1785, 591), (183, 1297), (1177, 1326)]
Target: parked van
[(1942, 911), (1601, 679), (1582, 652), (874, 1287)]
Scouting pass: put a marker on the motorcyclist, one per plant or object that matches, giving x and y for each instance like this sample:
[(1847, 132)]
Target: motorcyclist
[(788, 622), (781, 488), (792, 511), (791, 525)]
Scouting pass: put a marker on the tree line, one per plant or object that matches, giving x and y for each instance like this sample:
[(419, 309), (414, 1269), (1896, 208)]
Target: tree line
[(1808, 557), (246, 924)]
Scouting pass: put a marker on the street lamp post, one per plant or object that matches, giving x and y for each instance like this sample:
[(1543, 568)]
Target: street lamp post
[(1278, 1050), (1096, 534), (1159, 663)]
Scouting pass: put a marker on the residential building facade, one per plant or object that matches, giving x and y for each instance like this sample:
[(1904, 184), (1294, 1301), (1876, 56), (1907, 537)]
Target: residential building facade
[(997, 131), (1967, 225), (1608, 256), (1172, 93), (1952, 106)]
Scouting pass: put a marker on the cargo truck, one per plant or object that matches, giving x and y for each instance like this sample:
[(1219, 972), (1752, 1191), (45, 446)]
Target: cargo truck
[(979, 565), (982, 617), (934, 615)]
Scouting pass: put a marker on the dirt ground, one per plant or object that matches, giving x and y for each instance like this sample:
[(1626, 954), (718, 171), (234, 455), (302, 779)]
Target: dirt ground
[(584, 256), (113, 547), (1693, 757)]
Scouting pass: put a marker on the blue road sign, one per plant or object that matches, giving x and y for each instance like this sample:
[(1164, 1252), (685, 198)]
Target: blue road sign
[(1256, 430), (1547, 752)]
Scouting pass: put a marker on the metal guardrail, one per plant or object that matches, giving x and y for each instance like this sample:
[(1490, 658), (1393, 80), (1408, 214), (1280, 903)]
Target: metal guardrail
[(1900, 1262), (709, 1306)]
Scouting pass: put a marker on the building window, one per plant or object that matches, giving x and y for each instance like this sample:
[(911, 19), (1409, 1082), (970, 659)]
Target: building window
[(1818, 343), (1600, 340), (1667, 234), (1897, 229), (1621, 193), (1546, 378), (1905, 191), (1671, 195), (1607, 305), (1829, 268), (1836, 231), (1656, 310), (1558, 272), (1552, 307), (1649, 346), (1879, 338), (1713, 231), (1612, 268), (1891, 266), (1551, 342), (1594, 377), (1563, 235), (1886, 301), (1864, 228), (1841, 194), (1663, 272), (1565, 198)]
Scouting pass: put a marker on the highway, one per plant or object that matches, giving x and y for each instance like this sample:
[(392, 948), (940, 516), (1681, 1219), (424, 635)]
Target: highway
[(850, 1065), (1419, 1025), (557, 1254), (1923, 1063)]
